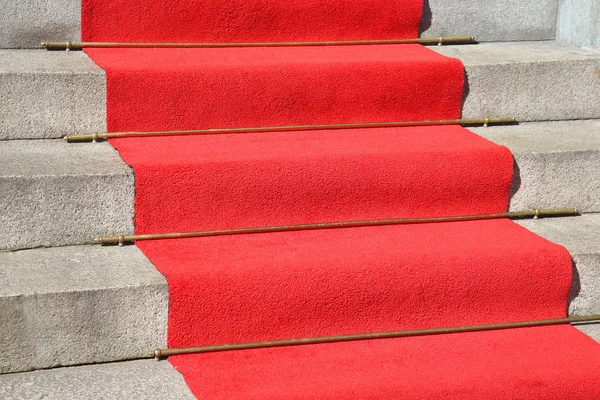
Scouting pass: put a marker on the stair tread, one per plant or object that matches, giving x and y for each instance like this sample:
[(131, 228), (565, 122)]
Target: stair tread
[(74, 269), (125, 380), (556, 163), (522, 80), (518, 52), (353, 280), (38, 61), (545, 137), (556, 361), (55, 157), (127, 266)]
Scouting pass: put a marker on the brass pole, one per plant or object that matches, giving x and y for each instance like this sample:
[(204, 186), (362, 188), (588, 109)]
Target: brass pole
[(93, 137), (162, 353), (122, 239), (425, 41)]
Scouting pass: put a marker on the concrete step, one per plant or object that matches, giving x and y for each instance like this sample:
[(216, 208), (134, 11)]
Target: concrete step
[(88, 304), (580, 236), (27, 23), (142, 380), (557, 164), (531, 81), (57, 194), (49, 95), (79, 305), (64, 194)]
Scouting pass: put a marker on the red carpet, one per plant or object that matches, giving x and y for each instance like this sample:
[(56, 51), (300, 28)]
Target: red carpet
[(535, 363), (300, 284), (249, 20), (303, 284), (228, 181), (217, 88)]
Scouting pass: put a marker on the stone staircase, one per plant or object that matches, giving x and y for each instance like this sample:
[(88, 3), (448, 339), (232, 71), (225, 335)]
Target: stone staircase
[(66, 303)]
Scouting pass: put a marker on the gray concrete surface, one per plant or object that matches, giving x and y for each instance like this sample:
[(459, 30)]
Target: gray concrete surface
[(79, 305), (142, 380), (579, 22), (26, 23), (532, 81), (557, 164), (581, 236), (55, 193), (491, 20), (50, 94)]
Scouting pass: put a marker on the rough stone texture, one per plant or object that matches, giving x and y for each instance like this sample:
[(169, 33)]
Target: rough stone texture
[(579, 22), (581, 236), (26, 23), (557, 163), (79, 305), (149, 380), (531, 81), (55, 193), (491, 20), (50, 94)]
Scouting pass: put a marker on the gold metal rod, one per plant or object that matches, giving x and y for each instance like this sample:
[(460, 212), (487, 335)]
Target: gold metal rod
[(122, 239), (162, 353), (93, 137), (425, 41)]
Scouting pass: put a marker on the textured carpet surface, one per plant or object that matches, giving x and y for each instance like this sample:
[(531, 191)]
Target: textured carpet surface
[(233, 289), (245, 180), (160, 89), (299, 284), (249, 20), (537, 363)]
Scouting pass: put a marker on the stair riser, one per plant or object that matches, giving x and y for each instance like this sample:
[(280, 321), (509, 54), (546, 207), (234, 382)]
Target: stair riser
[(556, 180), (60, 329), (63, 210), (528, 92), (26, 24), (73, 305), (490, 21), (57, 194), (49, 95)]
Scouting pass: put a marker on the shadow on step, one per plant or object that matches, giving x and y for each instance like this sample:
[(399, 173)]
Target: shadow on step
[(426, 18), (575, 286), (516, 182)]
